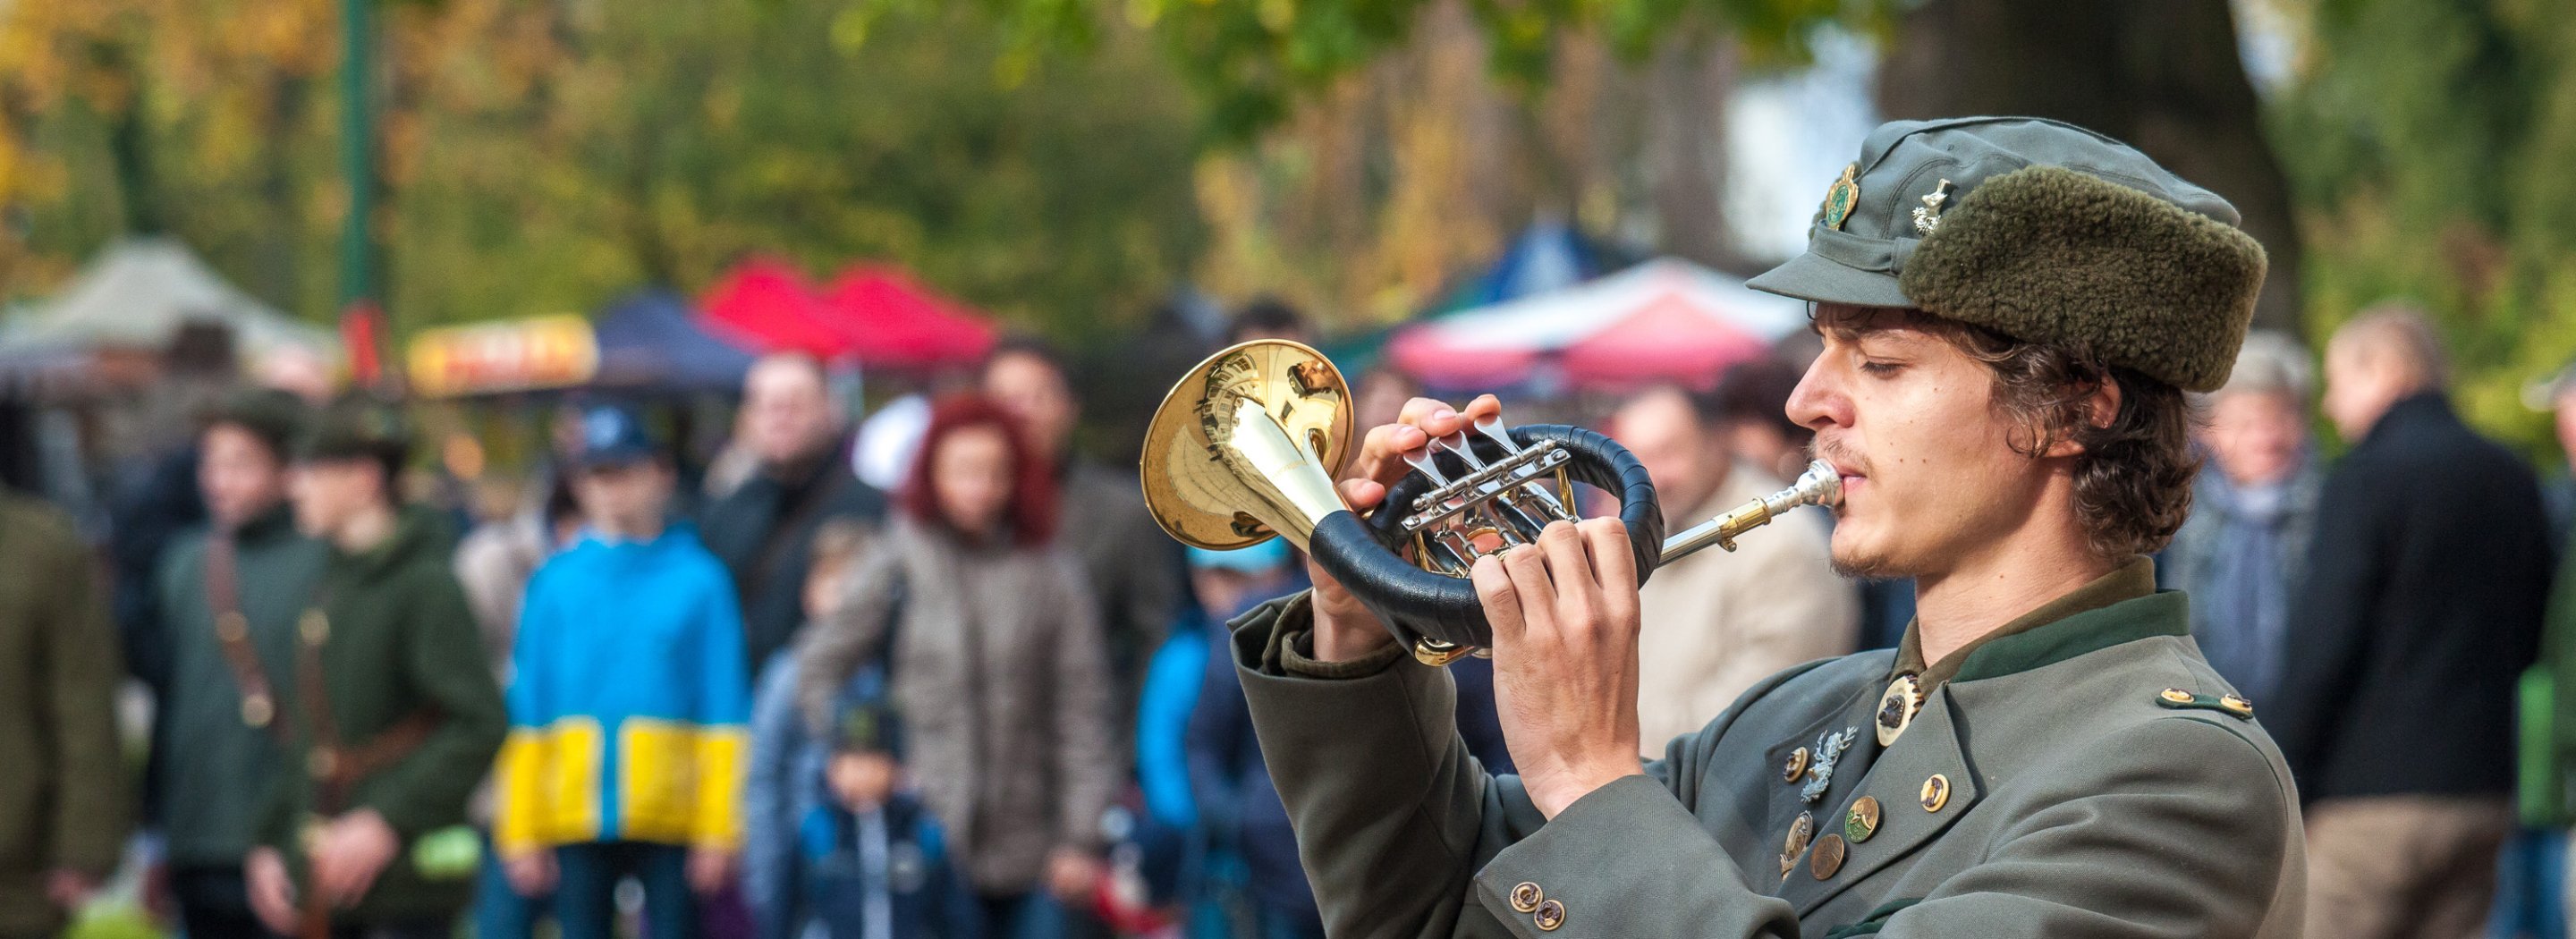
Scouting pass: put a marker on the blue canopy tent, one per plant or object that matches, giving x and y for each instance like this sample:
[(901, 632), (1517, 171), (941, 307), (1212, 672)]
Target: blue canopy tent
[(650, 342)]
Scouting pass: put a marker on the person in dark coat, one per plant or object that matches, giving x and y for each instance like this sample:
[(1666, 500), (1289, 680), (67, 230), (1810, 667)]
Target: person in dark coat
[(387, 702), (2426, 580), (763, 530), (213, 726)]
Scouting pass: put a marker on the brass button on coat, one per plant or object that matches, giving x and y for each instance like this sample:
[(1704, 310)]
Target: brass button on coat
[(1526, 895), (1936, 792), (1861, 823), (1550, 915), (2176, 695), (1797, 765), (2237, 705), (1828, 857)]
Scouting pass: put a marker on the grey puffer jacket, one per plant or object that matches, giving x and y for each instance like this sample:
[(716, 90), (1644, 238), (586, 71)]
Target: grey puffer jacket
[(1002, 680)]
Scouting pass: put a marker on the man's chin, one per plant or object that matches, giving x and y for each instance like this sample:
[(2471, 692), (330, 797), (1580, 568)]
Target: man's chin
[(1861, 564)]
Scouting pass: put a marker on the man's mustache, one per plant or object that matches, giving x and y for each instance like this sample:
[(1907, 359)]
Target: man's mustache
[(1833, 450)]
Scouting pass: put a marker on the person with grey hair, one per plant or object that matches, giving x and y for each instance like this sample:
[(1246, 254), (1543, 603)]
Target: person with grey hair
[(2241, 552), (2420, 608)]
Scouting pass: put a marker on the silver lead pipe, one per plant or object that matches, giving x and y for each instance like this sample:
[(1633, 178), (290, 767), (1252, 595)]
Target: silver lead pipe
[(1819, 485)]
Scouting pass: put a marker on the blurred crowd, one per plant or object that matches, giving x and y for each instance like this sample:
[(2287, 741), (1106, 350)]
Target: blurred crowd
[(938, 674)]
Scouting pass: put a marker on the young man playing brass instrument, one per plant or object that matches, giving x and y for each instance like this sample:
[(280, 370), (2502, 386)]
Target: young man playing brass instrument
[(2012, 311)]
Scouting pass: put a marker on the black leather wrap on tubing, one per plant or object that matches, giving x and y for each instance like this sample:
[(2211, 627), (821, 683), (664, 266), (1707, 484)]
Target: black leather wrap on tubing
[(1416, 603)]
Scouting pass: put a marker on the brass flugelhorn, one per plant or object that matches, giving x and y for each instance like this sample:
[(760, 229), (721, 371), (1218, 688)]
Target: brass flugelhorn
[(1247, 445)]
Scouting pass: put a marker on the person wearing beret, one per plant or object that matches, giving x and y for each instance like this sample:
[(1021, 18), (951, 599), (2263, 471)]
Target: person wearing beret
[(2012, 311), (388, 711)]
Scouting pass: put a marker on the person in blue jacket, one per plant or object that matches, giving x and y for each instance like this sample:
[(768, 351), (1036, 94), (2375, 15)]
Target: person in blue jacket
[(628, 707), (875, 864), (1236, 804)]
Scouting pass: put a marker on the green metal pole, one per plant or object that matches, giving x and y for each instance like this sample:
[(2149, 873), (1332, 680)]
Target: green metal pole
[(357, 152), (358, 164)]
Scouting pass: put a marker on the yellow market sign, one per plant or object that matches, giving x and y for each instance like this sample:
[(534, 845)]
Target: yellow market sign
[(513, 355)]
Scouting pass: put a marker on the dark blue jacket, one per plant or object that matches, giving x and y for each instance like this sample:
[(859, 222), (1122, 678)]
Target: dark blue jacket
[(926, 896)]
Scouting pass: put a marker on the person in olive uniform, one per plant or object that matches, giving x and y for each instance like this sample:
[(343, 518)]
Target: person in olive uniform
[(229, 594), (65, 796), (2012, 310), (392, 713)]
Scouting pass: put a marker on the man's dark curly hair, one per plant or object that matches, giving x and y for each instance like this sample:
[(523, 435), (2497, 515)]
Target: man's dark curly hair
[(2133, 480)]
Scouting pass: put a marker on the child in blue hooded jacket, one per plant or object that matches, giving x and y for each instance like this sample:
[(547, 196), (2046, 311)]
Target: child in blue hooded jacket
[(629, 709)]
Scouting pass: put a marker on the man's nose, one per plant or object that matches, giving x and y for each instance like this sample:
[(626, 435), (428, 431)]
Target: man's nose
[(1818, 401)]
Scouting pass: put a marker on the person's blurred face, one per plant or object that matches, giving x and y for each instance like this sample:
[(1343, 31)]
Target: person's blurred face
[(329, 493), (1220, 591), (1929, 471), (2255, 436), (239, 475), (2362, 381), (971, 472), (861, 781), (1679, 453), (2567, 422), (787, 413), (627, 499), (1762, 444), (1036, 394)]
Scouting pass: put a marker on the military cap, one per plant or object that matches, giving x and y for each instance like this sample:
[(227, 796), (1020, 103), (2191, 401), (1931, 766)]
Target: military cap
[(273, 416), (2042, 231), (358, 427)]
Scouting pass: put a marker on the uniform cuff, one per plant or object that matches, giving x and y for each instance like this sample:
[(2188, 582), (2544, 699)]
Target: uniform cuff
[(1278, 638)]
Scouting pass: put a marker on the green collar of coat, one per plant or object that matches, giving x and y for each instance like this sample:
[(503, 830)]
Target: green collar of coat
[(417, 531), (2121, 606)]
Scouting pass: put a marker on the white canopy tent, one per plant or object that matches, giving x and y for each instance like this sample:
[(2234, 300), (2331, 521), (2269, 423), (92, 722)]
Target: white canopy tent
[(139, 292)]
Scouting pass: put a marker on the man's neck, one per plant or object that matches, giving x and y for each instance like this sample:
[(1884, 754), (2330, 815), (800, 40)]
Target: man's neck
[(1991, 588), (372, 526)]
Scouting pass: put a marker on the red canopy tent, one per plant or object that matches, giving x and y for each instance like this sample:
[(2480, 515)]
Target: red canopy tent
[(767, 305), (1664, 320), (896, 323), (1668, 339)]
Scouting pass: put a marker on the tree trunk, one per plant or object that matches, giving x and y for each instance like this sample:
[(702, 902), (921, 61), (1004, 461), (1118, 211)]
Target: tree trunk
[(2163, 75), (1689, 82)]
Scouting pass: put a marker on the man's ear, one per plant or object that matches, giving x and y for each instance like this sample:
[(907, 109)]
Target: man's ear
[(2100, 409)]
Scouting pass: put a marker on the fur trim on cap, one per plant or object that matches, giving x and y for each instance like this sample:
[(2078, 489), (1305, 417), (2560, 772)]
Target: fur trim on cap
[(2048, 254)]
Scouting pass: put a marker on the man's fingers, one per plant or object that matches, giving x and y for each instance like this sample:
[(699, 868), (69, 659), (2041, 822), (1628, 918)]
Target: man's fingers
[(1578, 598), (1381, 456), (1362, 494), (1613, 559), (1433, 415), (1537, 594), (1502, 603)]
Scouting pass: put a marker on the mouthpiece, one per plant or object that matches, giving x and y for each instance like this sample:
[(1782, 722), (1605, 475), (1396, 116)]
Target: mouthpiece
[(1821, 485)]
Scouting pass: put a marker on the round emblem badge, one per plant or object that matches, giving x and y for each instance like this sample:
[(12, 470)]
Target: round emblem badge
[(1896, 708)]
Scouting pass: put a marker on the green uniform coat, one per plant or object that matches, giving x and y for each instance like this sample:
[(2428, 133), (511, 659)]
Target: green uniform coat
[(65, 796), (217, 767), (401, 638), (2078, 805)]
